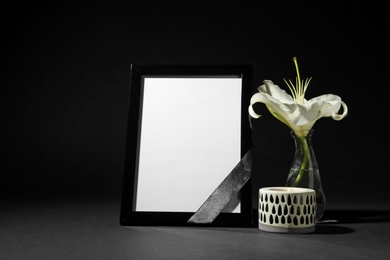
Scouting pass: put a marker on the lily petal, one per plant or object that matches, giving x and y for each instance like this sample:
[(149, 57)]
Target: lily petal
[(331, 105), (339, 117), (252, 112), (275, 91), (305, 114)]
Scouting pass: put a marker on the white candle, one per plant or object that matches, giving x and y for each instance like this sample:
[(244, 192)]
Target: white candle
[(287, 209)]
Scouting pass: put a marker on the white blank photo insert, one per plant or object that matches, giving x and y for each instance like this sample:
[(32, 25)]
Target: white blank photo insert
[(190, 141)]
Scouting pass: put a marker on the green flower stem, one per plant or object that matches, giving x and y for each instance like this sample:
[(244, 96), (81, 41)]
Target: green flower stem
[(305, 148)]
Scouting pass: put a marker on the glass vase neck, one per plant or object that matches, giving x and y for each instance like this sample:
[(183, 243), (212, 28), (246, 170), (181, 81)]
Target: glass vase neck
[(302, 133)]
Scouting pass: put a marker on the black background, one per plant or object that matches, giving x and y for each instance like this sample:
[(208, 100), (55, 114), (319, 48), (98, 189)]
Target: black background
[(65, 83)]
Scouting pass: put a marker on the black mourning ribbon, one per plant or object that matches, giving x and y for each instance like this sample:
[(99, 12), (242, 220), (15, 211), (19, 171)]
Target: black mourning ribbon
[(228, 189)]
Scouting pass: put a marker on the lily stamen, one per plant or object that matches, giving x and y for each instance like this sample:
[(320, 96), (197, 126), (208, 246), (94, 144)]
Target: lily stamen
[(299, 89)]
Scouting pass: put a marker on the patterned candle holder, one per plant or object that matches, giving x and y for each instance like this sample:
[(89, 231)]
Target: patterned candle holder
[(287, 210)]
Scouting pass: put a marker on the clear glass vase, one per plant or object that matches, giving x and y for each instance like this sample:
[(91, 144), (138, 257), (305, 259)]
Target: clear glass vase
[(304, 170)]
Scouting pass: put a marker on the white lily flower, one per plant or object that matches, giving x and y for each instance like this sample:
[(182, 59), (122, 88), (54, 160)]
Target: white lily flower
[(294, 110)]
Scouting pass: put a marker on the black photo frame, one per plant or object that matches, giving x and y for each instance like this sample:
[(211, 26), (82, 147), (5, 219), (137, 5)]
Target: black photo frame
[(143, 76)]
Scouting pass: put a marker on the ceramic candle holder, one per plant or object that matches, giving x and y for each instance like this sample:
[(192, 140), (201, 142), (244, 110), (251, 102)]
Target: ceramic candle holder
[(287, 210)]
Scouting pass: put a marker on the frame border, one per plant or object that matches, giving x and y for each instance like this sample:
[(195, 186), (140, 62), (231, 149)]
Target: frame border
[(129, 217)]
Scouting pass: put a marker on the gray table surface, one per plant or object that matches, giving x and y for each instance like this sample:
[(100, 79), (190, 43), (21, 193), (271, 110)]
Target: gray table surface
[(89, 229)]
